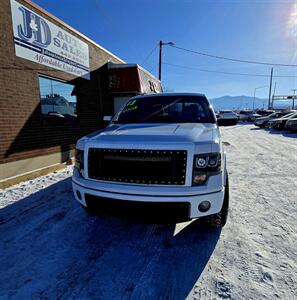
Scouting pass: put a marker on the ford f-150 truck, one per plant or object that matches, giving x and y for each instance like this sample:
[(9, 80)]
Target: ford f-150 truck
[(161, 151)]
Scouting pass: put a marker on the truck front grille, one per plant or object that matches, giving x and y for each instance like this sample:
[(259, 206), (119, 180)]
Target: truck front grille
[(166, 167), (156, 212)]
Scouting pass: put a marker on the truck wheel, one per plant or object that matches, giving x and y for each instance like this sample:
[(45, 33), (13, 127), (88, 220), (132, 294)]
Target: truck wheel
[(219, 220)]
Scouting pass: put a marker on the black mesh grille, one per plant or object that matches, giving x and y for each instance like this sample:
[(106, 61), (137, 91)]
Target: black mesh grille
[(162, 212), (138, 166)]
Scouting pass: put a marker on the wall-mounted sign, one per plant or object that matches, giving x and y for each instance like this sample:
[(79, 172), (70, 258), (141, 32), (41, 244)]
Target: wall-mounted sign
[(43, 42)]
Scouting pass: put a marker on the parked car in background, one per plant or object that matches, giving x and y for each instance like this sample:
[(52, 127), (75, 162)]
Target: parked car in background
[(291, 124), (279, 123), (265, 112), (248, 115), (227, 117), (263, 121)]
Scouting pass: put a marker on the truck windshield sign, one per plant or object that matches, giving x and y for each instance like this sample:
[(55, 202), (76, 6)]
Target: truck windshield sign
[(43, 42)]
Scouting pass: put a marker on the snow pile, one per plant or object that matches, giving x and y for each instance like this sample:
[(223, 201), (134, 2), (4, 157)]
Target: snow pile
[(26, 188)]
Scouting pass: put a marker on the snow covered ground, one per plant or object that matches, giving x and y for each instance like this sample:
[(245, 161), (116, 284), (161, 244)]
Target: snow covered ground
[(50, 248)]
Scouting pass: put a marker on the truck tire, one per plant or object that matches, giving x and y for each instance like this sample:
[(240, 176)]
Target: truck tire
[(219, 220)]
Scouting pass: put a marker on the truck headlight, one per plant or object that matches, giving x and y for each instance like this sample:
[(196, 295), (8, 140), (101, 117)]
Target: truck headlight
[(204, 166), (201, 162), (210, 161), (79, 161)]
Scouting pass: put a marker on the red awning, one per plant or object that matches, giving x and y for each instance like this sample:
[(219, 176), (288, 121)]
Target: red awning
[(132, 79)]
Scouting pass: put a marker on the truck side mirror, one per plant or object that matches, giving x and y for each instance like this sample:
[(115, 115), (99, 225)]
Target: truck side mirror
[(107, 118)]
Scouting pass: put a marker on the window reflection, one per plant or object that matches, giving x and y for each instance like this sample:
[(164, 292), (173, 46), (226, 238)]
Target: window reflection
[(57, 103)]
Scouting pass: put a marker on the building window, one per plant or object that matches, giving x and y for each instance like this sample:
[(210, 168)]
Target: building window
[(57, 103)]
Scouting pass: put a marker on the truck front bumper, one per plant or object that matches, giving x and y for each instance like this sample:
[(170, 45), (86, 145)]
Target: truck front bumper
[(86, 194)]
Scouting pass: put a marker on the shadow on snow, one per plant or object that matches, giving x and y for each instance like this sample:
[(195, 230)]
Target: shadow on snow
[(53, 249)]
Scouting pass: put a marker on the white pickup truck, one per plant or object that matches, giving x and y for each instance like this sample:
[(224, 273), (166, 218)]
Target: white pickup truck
[(161, 151)]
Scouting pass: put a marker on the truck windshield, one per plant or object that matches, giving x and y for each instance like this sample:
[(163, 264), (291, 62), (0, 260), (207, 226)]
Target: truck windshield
[(166, 109)]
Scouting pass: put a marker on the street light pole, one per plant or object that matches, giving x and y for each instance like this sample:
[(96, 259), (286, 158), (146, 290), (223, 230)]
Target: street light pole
[(294, 90), (160, 56), (259, 87)]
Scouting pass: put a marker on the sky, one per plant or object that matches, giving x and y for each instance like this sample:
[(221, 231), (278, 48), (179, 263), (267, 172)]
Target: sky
[(257, 30)]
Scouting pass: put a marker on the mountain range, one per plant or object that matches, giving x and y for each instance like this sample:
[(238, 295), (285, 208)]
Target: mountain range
[(244, 102)]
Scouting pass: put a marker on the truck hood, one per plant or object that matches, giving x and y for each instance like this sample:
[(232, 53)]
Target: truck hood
[(164, 133)]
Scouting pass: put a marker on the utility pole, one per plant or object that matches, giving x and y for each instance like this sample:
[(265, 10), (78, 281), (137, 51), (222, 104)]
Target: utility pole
[(254, 99), (160, 56), (160, 59), (294, 90), (272, 102), (269, 100), (259, 87)]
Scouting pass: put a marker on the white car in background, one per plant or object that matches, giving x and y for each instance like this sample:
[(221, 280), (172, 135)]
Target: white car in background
[(227, 117), (248, 115)]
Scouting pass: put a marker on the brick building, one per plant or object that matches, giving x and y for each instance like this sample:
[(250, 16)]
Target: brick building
[(56, 86)]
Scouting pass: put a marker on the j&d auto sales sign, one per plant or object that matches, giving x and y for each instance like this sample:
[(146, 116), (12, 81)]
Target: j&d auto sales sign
[(43, 42)]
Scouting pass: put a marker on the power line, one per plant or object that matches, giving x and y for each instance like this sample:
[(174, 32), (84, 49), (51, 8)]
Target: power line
[(228, 73), (150, 53), (234, 59), (152, 68)]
